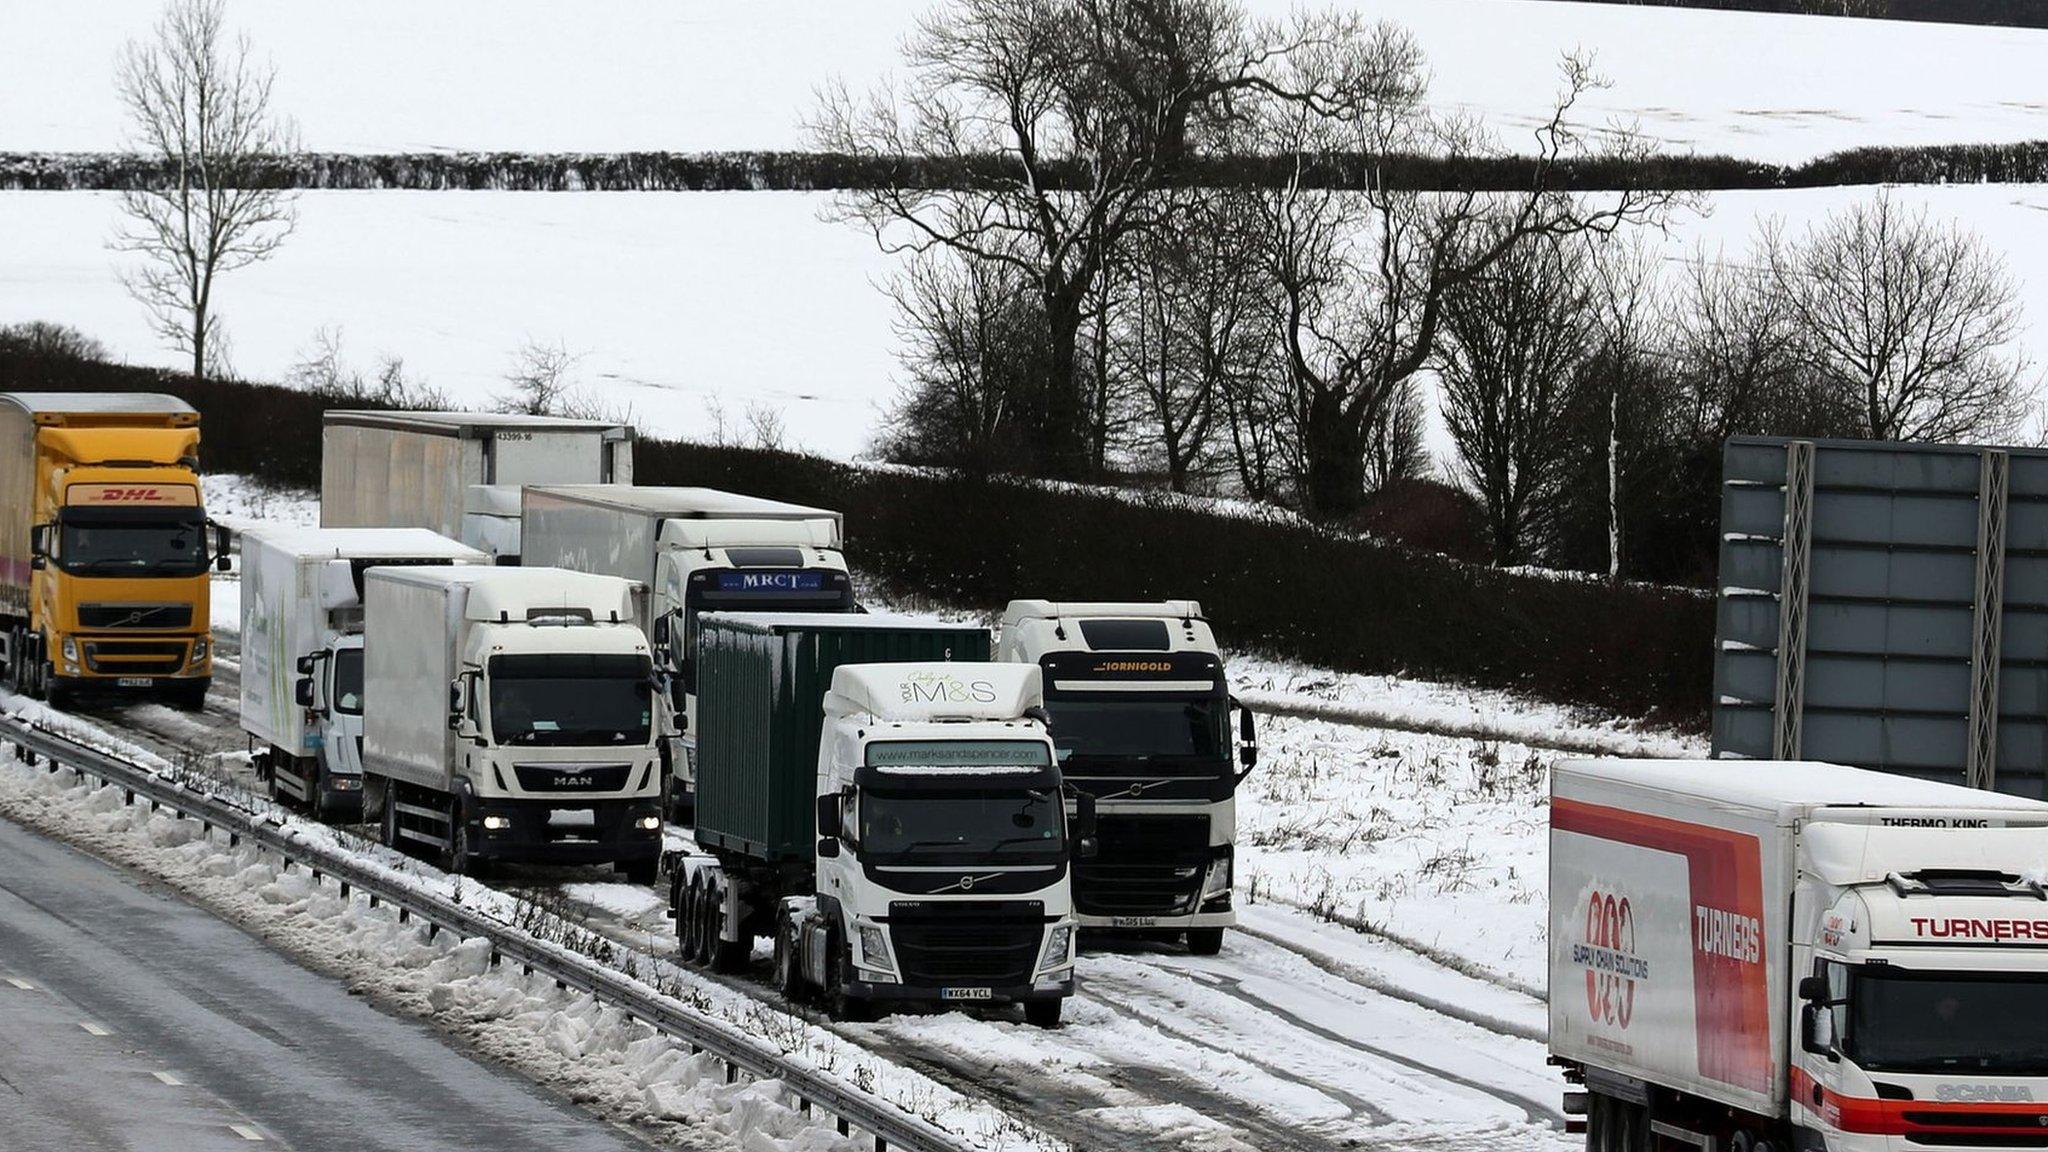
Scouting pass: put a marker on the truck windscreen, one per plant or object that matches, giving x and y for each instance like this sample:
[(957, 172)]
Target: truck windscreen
[(1138, 729), (1900, 1020), (110, 543), (943, 827), (560, 699), (348, 681)]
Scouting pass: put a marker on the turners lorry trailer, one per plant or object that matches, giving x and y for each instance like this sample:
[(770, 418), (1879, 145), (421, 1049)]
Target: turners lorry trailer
[(458, 473), (1777, 956), (508, 715), (302, 652), (886, 806), (105, 547), (1141, 715), (693, 550)]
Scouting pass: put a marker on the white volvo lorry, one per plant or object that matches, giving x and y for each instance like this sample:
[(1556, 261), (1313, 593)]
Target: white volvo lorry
[(458, 473), (896, 827), (1142, 717), (693, 550), (302, 652), (509, 716), (1760, 956)]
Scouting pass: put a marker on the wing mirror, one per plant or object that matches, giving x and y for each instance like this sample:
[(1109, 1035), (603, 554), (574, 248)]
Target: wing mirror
[(1086, 846), (458, 703), (221, 561), (829, 826), (305, 665), (303, 691), (39, 546), (1814, 989)]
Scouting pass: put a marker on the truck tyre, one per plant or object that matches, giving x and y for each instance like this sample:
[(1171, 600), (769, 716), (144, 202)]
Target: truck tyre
[(1205, 941), (838, 1005), (789, 969), (460, 858), (700, 926), (1043, 1013), (56, 694), (639, 871), (190, 695), (388, 826)]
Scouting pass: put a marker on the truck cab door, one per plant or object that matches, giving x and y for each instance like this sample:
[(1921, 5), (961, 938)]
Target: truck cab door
[(1817, 1043)]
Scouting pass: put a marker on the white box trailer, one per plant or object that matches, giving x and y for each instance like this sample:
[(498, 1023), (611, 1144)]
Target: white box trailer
[(1754, 954), (302, 663), (509, 715), (422, 469), (691, 550)]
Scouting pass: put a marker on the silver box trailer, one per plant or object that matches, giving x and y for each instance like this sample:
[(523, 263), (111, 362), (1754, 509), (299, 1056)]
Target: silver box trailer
[(418, 469)]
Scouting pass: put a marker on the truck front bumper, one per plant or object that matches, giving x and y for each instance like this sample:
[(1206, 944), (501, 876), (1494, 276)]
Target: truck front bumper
[(963, 997), (613, 831)]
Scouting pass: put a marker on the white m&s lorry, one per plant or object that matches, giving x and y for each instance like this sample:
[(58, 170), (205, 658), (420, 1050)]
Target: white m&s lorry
[(302, 652), (509, 716), (1771, 956), (693, 550)]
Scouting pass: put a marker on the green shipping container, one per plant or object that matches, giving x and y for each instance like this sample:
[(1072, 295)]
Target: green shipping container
[(761, 684)]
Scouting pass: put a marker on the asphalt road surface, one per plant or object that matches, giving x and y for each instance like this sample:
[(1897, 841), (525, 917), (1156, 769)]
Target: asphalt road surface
[(132, 1020)]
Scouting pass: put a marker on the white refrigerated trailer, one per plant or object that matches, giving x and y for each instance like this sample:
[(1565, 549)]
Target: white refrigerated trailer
[(1776, 956), (458, 473), (302, 651)]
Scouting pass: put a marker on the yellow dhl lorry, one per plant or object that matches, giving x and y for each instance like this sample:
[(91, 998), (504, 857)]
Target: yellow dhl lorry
[(104, 546)]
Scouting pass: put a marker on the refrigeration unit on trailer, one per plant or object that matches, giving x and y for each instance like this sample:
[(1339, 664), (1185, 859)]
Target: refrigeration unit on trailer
[(508, 715), (458, 473), (105, 548), (1778, 956), (1141, 715), (694, 550), (885, 804), (302, 651)]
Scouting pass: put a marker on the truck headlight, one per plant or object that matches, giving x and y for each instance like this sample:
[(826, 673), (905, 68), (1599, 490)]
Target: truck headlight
[(648, 823), (497, 823), (874, 947), (1218, 880), (1059, 945), (200, 648), (70, 650)]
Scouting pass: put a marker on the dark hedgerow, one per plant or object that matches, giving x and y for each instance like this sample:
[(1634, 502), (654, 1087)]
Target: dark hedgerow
[(1279, 586)]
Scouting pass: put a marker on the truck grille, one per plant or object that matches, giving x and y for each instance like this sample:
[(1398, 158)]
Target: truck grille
[(1147, 866), (134, 657), (991, 943), (135, 615), (572, 777)]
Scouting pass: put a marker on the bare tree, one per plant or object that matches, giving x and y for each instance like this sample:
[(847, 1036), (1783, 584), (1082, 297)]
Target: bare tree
[(1363, 276), (971, 339), (1916, 322), (539, 378), (1628, 312), (1048, 124), (1517, 336), (198, 103)]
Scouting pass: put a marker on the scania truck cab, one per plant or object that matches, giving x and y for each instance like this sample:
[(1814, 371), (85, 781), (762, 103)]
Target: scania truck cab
[(105, 549), (1143, 720)]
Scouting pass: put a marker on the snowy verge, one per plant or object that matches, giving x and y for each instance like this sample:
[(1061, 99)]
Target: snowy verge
[(622, 1069)]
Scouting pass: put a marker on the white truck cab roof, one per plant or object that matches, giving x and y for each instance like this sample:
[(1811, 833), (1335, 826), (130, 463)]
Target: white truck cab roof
[(1031, 628), (924, 692), (515, 595)]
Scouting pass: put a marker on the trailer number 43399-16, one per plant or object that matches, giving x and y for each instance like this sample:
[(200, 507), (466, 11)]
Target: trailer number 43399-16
[(964, 994)]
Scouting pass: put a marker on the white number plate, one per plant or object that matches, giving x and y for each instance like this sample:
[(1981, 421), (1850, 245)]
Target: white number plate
[(136, 682), (965, 994), (1134, 922)]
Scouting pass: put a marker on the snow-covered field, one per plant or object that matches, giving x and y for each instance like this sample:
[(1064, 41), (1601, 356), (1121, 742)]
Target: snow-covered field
[(677, 304), (393, 75)]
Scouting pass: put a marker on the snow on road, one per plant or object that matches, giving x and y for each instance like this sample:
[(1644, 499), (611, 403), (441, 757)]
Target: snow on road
[(611, 75), (676, 304)]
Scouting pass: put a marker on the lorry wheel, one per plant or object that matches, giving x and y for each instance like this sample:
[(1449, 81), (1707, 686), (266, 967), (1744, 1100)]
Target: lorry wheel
[(1600, 1128), (388, 826), (1043, 1013), (789, 972), (700, 926), (639, 871), (189, 695), (55, 694), (840, 1006), (1205, 941), (460, 858)]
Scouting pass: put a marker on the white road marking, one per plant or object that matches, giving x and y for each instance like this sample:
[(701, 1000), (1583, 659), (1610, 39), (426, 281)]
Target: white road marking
[(93, 1028), (246, 1132), (167, 1078), (18, 982)]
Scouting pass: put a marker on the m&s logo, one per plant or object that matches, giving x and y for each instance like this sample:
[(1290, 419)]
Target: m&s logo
[(941, 688)]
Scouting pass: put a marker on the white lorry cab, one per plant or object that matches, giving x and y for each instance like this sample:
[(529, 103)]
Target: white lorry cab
[(509, 716), (1142, 717), (302, 652), (693, 550), (1762, 955)]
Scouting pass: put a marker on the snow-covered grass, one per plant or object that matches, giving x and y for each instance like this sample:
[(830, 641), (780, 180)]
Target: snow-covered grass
[(619, 1068), (606, 75), (673, 302)]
